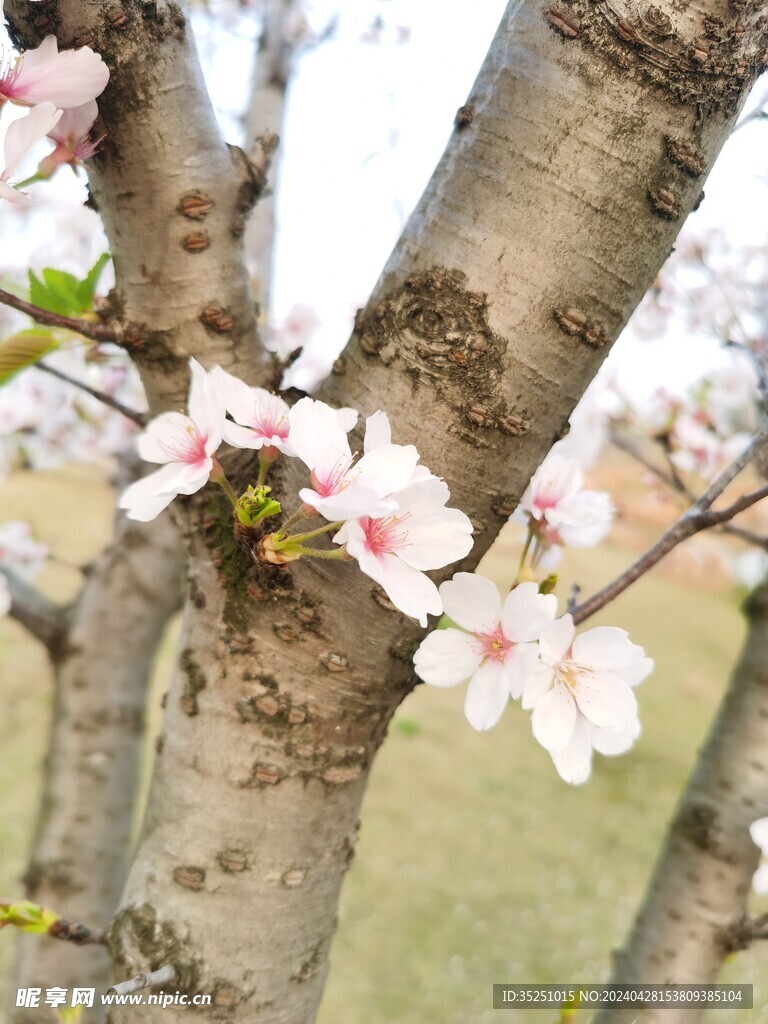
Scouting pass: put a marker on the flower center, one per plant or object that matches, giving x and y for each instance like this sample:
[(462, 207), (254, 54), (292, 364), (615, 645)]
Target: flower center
[(384, 536), (569, 673), (494, 646), (335, 480), (187, 446)]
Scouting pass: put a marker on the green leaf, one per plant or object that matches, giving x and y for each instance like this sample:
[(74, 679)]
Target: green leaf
[(63, 293), (64, 287), (24, 349), (87, 288), (27, 916), (40, 295)]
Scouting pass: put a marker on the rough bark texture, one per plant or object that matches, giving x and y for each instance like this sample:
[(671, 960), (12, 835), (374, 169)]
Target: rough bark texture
[(694, 912), (83, 843), (579, 152)]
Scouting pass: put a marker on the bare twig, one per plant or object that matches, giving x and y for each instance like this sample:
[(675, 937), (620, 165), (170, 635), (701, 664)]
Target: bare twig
[(676, 484), (79, 934), (96, 332), (113, 403), (42, 618), (700, 516), (158, 977)]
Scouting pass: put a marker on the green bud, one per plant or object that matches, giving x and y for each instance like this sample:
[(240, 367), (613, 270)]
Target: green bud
[(255, 505), (548, 584)]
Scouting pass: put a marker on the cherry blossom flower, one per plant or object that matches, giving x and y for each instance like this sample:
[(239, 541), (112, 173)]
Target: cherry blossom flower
[(759, 832), (20, 138), (582, 695), (72, 138), (493, 649), (261, 418), (396, 549), (185, 445), (343, 488), (68, 78), (559, 511), (19, 550), (5, 596)]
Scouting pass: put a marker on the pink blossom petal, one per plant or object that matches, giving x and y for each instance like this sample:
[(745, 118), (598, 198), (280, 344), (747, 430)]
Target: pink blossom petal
[(487, 696), (447, 657), (408, 589), (387, 468), (472, 602), (70, 78), (437, 540), (26, 132)]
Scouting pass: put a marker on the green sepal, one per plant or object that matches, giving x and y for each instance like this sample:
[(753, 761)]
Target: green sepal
[(548, 584)]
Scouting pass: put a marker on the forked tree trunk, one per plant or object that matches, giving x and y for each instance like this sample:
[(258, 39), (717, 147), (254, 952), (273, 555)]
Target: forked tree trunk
[(581, 148)]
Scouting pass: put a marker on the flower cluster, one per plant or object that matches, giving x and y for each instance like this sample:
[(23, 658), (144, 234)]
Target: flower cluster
[(384, 509), (390, 514), (61, 88), (579, 688)]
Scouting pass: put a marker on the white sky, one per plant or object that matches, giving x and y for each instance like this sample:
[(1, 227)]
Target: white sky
[(366, 125)]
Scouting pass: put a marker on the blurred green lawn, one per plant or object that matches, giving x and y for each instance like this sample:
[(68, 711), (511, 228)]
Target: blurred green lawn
[(476, 864)]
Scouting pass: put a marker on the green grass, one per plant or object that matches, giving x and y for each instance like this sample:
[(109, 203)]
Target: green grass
[(476, 864)]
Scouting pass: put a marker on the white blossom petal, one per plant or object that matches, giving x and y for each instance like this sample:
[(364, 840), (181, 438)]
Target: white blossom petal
[(605, 700), (446, 657), (472, 602), (759, 832), (377, 432), (522, 664), (526, 612), (555, 640), (604, 647), (487, 696), (574, 762), (554, 718)]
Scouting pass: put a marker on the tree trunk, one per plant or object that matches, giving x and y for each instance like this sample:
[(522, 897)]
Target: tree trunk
[(549, 215), (266, 113), (101, 668), (695, 910)]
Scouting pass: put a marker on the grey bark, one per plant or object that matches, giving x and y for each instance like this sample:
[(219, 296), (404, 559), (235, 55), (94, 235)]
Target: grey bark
[(101, 667), (556, 202), (694, 913)]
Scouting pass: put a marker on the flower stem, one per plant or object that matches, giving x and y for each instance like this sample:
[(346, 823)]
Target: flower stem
[(526, 548), (337, 553), (297, 517), (218, 476), (316, 533)]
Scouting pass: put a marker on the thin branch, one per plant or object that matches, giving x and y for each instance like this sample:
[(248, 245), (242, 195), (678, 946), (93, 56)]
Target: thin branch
[(159, 977), (699, 516), (676, 484), (137, 417), (42, 618), (96, 332), (78, 934)]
